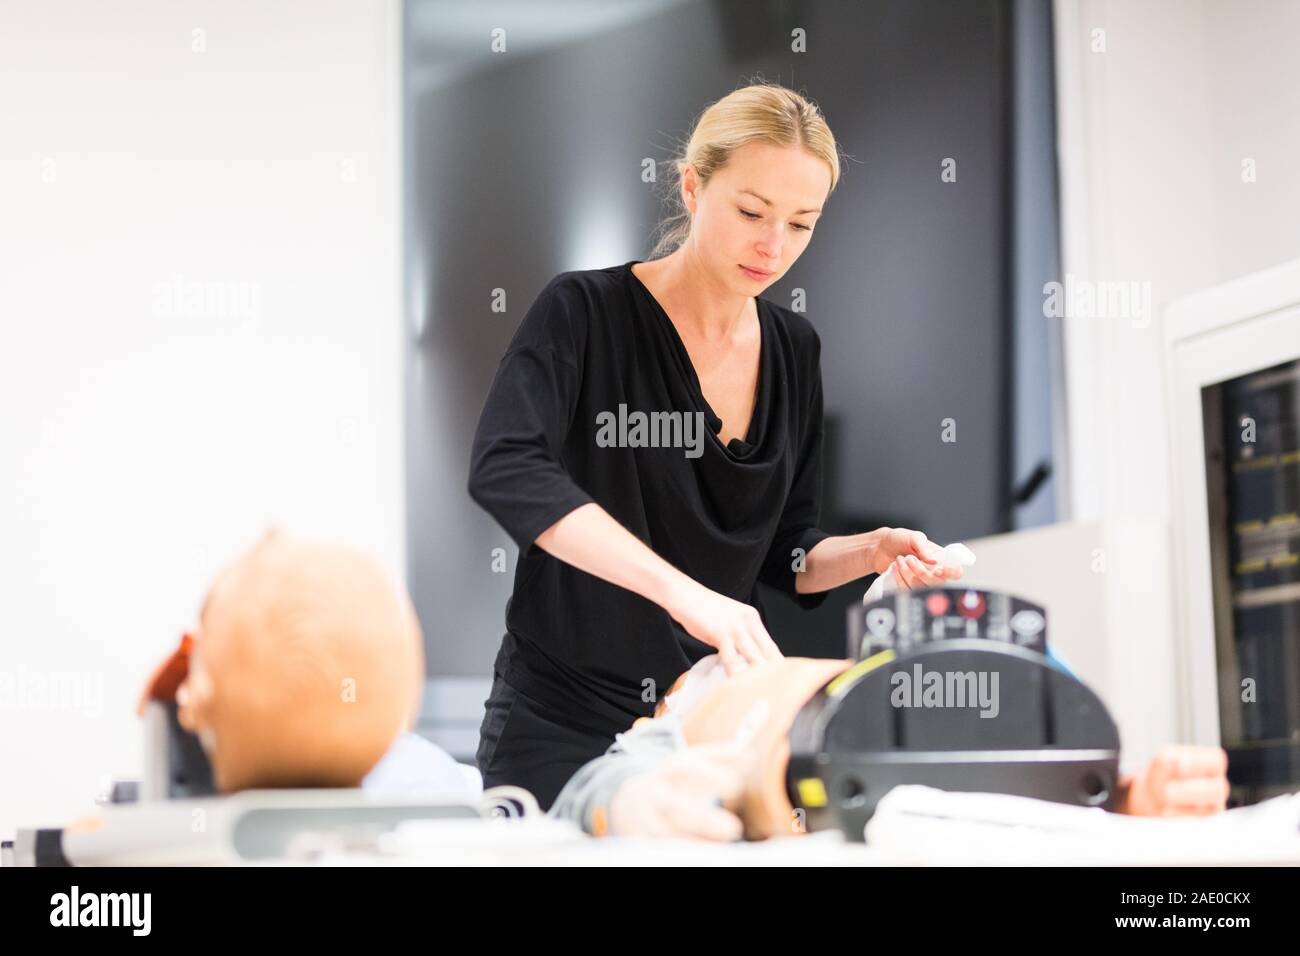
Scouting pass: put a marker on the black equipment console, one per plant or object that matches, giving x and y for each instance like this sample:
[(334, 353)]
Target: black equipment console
[(953, 689)]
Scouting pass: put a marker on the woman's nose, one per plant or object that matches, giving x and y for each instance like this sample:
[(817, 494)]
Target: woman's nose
[(770, 245)]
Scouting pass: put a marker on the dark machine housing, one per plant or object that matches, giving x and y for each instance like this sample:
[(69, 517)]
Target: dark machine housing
[(954, 689)]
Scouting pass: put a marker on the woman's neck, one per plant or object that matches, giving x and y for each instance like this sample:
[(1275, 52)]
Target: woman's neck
[(694, 299)]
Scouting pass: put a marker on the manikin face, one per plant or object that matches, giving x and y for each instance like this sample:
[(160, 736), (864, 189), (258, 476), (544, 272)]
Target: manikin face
[(758, 211), (306, 665), (760, 704)]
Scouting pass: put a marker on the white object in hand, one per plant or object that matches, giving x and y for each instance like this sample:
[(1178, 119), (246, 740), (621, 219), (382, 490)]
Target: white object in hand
[(883, 586), (703, 676)]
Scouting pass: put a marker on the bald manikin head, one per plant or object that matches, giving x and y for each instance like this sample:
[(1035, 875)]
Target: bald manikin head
[(307, 664)]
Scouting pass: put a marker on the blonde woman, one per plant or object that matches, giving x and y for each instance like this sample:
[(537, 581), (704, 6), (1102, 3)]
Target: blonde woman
[(652, 441)]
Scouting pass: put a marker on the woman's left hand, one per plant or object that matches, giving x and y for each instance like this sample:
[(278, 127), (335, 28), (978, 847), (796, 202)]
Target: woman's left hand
[(914, 558)]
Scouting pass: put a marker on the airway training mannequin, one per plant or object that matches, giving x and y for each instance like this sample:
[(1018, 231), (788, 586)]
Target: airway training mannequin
[(306, 669), (724, 740)]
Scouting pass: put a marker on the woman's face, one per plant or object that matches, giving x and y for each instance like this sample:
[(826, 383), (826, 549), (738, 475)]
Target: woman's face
[(756, 212)]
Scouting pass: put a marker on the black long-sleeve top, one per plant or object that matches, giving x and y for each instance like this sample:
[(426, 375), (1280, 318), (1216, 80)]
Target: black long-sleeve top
[(548, 441)]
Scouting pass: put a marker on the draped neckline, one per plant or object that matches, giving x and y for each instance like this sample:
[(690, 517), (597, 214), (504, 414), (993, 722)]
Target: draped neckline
[(737, 447)]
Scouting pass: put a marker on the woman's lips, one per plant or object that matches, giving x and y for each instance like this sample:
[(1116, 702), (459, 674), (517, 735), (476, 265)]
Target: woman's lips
[(755, 274)]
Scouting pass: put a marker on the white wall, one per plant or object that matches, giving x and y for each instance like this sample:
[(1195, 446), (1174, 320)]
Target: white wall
[(1153, 132), (252, 150)]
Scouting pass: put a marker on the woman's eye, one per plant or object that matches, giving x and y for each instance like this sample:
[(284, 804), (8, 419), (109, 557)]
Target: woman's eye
[(753, 215)]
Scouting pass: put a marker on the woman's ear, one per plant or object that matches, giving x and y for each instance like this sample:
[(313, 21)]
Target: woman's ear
[(690, 186)]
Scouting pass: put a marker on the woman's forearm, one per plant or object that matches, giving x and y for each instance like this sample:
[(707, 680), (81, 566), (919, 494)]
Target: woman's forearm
[(838, 560), (588, 538), (591, 540)]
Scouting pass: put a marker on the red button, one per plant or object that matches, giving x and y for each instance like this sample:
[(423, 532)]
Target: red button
[(971, 604), (937, 604)]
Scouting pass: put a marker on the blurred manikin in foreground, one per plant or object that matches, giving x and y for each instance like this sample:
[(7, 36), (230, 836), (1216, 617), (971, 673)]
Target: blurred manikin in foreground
[(306, 666)]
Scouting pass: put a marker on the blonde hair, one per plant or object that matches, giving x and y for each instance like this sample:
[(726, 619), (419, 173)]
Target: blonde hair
[(762, 112)]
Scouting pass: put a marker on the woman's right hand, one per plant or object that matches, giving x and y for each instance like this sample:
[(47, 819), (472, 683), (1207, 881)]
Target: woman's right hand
[(734, 628)]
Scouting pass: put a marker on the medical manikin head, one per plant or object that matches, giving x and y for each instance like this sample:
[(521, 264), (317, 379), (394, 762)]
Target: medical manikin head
[(754, 710), (306, 665)]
